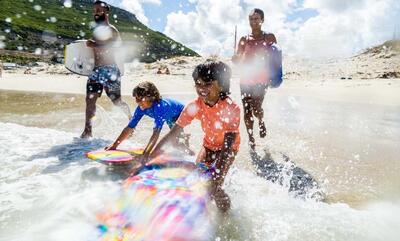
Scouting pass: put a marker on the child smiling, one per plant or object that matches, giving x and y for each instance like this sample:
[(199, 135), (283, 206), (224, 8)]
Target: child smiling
[(220, 118)]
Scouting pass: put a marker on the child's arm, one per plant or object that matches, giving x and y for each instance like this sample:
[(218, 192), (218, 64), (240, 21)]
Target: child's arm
[(126, 132), (167, 139), (151, 144), (226, 158)]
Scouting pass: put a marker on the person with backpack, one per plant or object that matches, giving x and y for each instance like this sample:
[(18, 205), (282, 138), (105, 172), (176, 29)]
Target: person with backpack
[(260, 62)]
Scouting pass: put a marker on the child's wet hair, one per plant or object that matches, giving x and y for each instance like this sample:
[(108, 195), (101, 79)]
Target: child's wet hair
[(215, 71), (258, 11), (146, 88), (103, 4)]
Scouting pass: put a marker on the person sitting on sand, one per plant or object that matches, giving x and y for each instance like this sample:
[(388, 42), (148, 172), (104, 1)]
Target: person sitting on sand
[(163, 70), (28, 71), (220, 118), (106, 74), (162, 110), (252, 54), (1, 69)]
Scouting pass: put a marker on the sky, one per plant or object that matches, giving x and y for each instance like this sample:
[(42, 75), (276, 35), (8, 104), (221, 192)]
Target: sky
[(307, 28)]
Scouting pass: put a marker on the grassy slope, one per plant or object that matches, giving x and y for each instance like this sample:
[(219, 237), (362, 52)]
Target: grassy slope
[(29, 26)]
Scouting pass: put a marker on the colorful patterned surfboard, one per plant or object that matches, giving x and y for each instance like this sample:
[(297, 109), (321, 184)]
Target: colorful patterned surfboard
[(115, 157), (162, 202)]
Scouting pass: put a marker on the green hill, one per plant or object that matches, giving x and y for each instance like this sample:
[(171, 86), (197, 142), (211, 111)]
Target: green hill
[(45, 26)]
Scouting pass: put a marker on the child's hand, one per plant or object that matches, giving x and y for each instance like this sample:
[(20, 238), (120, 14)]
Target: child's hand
[(110, 147), (190, 152), (143, 159), (154, 154)]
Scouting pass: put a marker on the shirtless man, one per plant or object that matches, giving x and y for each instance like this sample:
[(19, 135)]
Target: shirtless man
[(106, 74)]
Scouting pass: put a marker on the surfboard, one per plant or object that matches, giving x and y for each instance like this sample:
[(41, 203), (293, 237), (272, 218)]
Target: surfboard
[(115, 157), (167, 200), (79, 59)]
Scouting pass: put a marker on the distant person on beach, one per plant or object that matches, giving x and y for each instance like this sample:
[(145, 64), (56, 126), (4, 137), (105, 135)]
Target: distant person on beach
[(1, 69), (28, 71), (162, 110), (219, 116), (106, 74), (251, 55)]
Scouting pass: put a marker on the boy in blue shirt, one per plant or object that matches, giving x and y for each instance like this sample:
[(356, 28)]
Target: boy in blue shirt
[(150, 103)]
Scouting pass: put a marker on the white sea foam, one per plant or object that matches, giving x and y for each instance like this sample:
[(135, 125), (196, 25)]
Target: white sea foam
[(50, 191)]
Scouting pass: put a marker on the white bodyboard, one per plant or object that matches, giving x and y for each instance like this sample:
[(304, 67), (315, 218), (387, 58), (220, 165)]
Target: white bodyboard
[(79, 58)]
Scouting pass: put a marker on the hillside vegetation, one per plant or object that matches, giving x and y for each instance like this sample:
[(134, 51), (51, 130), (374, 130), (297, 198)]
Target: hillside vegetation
[(44, 27)]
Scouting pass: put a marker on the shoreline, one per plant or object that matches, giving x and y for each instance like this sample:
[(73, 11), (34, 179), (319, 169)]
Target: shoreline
[(368, 91)]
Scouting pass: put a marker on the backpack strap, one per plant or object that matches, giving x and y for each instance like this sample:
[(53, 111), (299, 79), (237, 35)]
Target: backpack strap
[(247, 38)]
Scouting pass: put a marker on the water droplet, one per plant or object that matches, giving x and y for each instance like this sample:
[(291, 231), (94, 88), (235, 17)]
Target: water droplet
[(102, 33), (38, 51), (37, 7), (68, 3)]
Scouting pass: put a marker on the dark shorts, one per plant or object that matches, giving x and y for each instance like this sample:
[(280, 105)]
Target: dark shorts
[(209, 157), (107, 78), (253, 91), (253, 98)]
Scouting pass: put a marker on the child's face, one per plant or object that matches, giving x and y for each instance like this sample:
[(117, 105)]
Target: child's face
[(207, 91), (144, 102)]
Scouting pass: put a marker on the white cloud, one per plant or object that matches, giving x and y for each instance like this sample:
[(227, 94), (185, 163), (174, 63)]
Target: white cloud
[(346, 30), (135, 7), (209, 29), (341, 27), (336, 6)]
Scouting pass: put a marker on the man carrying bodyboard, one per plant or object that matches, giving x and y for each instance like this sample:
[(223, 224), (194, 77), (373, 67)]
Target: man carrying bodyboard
[(106, 74)]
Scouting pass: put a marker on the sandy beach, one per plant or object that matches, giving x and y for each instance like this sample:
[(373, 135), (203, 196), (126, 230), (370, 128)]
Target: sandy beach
[(337, 80)]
